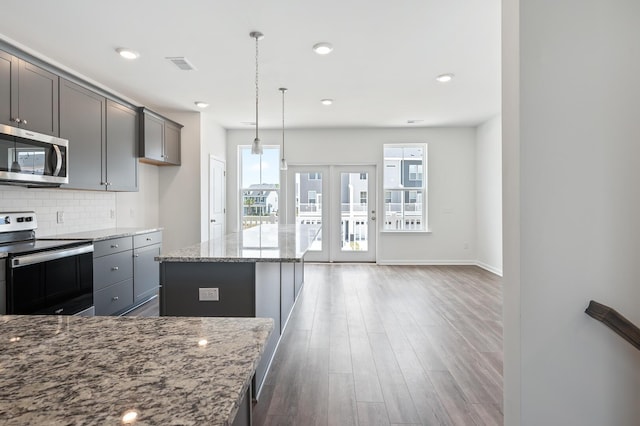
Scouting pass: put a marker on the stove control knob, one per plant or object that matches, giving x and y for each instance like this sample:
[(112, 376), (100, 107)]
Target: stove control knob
[(7, 220)]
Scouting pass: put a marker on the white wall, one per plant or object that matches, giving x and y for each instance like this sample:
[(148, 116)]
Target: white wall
[(451, 177), (183, 200), (140, 209), (489, 195), (574, 135)]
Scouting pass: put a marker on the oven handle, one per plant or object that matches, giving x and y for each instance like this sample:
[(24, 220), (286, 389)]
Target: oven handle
[(31, 259)]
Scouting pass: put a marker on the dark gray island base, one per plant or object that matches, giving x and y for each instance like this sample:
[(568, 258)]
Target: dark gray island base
[(256, 273)]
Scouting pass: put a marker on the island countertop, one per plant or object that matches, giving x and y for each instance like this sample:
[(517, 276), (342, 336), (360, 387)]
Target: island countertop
[(93, 370), (264, 243)]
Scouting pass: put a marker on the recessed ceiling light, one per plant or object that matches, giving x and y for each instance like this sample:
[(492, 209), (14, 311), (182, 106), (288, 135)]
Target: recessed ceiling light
[(323, 48), (201, 104), (127, 53), (326, 102), (444, 78)]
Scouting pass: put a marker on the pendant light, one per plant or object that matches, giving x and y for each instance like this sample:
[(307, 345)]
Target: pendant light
[(256, 146), (283, 161)]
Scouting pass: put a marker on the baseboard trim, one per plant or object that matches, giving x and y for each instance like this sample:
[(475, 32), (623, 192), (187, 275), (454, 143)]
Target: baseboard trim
[(477, 263), (490, 268)]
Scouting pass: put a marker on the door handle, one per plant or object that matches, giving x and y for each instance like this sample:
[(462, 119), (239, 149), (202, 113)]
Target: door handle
[(373, 218), (213, 221)]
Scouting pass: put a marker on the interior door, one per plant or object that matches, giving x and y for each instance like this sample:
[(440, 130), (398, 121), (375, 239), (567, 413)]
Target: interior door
[(217, 197), (341, 199)]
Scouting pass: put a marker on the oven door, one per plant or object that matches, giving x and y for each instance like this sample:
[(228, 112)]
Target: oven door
[(51, 282)]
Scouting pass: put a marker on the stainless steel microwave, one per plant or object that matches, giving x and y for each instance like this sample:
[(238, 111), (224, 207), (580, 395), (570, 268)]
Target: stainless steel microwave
[(32, 159)]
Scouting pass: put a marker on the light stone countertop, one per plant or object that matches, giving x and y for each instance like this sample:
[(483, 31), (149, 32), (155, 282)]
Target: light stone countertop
[(264, 243), (59, 370), (101, 234)]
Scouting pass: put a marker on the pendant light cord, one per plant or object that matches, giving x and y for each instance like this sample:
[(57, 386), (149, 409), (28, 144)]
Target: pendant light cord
[(257, 91)]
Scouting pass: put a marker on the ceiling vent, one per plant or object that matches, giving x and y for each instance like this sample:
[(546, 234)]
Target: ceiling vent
[(182, 63)]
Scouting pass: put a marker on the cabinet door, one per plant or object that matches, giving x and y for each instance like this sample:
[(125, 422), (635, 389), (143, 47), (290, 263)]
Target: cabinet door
[(122, 147), (152, 137), (82, 122), (38, 99), (172, 143), (8, 87), (146, 272)]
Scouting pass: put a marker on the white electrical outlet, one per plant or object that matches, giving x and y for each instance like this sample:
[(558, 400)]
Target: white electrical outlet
[(60, 216), (208, 294)]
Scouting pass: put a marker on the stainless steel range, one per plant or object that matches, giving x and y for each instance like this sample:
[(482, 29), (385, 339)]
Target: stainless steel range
[(43, 276)]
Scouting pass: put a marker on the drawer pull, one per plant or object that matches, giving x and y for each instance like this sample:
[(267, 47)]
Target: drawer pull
[(114, 298), (114, 246), (114, 268), (136, 255)]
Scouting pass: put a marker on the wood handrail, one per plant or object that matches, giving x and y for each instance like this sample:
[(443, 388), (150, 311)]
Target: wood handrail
[(615, 321)]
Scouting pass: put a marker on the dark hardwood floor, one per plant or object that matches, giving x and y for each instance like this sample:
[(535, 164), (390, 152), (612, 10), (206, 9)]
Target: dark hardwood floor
[(388, 345)]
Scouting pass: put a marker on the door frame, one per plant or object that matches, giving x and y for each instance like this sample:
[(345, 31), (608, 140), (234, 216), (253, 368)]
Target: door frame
[(210, 189)]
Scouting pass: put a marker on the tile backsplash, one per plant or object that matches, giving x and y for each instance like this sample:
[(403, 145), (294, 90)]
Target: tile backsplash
[(81, 210)]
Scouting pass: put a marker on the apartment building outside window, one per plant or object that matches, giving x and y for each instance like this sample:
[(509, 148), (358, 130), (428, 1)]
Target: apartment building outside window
[(405, 187)]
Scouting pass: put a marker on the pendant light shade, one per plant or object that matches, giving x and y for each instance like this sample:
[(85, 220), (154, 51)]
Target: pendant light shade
[(283, 161), (256, 146)]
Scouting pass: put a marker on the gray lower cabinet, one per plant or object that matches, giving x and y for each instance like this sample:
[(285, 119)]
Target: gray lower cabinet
[(125, 273), (146, 272), (112, 275)]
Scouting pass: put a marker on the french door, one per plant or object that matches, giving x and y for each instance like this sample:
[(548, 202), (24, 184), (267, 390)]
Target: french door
[(343, 200)]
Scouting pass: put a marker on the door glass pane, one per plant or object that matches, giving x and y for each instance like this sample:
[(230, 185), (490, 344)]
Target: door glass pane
[(308, 190), (260, 186), (354, 211)]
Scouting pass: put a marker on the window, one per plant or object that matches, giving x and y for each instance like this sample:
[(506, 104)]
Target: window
[(259, 186), (363, 198), (363, 176), (405, 186), (314, 176), (415, 171), (311, 197)]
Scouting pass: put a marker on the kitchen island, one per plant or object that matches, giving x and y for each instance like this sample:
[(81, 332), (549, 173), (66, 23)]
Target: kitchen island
[(258, 272), (107, 370)]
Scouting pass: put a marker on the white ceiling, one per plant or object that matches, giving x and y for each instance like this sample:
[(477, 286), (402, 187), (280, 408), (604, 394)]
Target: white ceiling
[(381, 73)]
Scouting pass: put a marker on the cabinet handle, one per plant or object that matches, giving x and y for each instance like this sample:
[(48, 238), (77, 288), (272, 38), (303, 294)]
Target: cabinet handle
[(24, 121), (17, 120), (114, 246), (149, 239), (114, 298), (115, 268), (136, 255)]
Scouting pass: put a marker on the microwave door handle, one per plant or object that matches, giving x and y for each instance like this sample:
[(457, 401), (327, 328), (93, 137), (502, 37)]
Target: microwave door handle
[(58, 160), (45, 256)]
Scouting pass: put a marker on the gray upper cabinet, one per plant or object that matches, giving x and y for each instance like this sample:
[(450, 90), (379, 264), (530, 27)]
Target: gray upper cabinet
[(28, 95), (121, 159), (172, 136), (160, 139), (82, 122)]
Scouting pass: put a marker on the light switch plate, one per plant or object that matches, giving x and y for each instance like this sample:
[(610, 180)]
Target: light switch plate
[(208, 294)]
